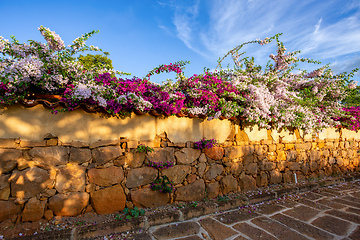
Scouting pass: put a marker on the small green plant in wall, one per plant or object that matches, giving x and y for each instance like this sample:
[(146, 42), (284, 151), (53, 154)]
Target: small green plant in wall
[(133, 213), (223, 198), (143, 149), (162, 184)]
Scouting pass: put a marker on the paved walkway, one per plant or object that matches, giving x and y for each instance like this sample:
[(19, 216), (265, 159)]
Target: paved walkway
[(327, 213)]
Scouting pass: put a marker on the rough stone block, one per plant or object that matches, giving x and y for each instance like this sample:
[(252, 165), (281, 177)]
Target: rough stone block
[(75, 144), (9, 159), (215, 153), (69, 204), (70, 178), (50, 156), (229, 184), (314, 155), (212, 189), (281, 156), (108, 200), (217, 230), (281, 165), (32, 144), (236, 168), (267, 166), (251, 169), (201, 169), (275, 177), (106, 177), (288, 177), (34, 210), (191, 192), (214, 171), (80, 155), (291, 156), (149, 198), (247, 183), (178, 173), (176, 230), (132, 144), (8, 142), (103, 143), (103, 155), (134, 159), (238, 151), (28, 183), (161, 155), (140, 176), (294, 166), (8, 209), (262, 180), (187, 155)]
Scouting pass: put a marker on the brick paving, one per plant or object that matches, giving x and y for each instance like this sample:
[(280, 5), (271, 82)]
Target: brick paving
[(329, 213), (313, 212)]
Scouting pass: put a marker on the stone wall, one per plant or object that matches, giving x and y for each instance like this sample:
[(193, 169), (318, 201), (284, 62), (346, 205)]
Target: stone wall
[(69, 170), (40, 179)]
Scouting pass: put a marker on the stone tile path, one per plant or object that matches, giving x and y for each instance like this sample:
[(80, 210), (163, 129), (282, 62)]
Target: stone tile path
[(329, 213)]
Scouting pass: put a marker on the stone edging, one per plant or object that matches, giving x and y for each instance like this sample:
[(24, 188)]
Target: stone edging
[(154, 218)]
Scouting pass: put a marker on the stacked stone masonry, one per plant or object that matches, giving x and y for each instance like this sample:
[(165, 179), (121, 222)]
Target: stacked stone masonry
[(40, 179)]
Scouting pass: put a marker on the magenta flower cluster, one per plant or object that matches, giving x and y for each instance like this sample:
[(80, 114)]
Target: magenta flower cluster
[(160, 165), (176, 67), (206, 144), (352, 121), (207, 94), (274, 97)]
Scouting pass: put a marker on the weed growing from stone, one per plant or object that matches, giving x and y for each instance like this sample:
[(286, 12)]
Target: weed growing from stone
[(181, 205), (80, 223), (133, 213), (162, 184), (143, 149), (223, 198)]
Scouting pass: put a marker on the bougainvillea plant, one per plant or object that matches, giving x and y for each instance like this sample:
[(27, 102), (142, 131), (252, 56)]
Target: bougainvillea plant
[(271, 97), (206, 144), (160, 165), (352, 119)]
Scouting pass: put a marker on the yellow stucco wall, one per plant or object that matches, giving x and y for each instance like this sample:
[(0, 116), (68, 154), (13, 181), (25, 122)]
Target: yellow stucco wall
[(35, 122)]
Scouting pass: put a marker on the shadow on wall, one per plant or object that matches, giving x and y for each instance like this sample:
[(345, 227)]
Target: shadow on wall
[(35, 122)]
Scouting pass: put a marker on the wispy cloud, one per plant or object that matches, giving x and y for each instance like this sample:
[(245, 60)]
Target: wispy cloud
[(317, 26), (323, 30), (186, 23)]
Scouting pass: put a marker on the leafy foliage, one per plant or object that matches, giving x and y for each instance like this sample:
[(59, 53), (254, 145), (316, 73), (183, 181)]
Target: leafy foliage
[(162, 184), (98, 61), (133, 213), (143, 149)]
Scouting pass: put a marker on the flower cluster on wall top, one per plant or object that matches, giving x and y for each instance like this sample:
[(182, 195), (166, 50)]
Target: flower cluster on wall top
[(273, 96)]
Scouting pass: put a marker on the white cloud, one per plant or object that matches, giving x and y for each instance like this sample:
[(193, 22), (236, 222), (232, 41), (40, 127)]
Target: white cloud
[(317, 26), (323, 30)]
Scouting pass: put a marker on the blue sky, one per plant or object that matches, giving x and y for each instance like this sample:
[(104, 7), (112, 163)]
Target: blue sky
[(142, 34)]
